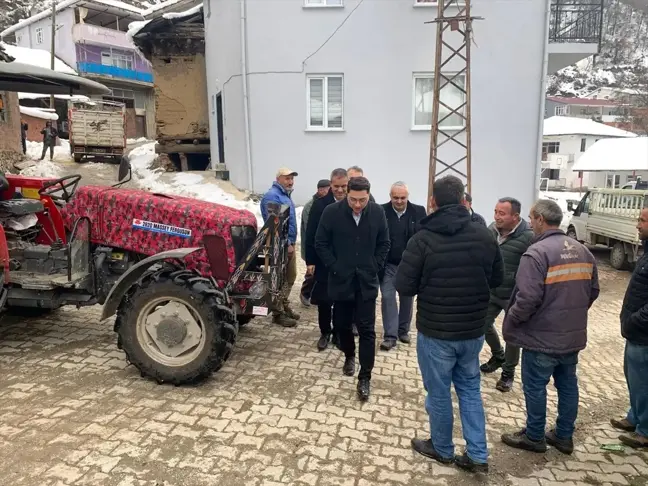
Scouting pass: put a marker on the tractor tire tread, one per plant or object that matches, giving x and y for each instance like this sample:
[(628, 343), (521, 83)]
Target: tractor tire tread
[(224, 326)]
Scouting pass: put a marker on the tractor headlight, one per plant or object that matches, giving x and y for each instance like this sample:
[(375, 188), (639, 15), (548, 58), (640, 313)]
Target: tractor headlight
[(258, 290)]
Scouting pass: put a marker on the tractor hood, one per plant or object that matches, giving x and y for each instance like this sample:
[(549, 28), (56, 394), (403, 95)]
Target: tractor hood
[(148, 224)]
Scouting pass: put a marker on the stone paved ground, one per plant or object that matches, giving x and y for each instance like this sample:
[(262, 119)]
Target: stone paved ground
[(73, 413)]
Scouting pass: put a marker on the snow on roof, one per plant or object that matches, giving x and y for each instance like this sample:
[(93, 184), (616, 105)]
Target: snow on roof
[(159, 6), (36, 96), (44, 114), (617, 154), (135, 27), (566, 125), (583, 101), (69, 3), (186, 13), (36, 57)]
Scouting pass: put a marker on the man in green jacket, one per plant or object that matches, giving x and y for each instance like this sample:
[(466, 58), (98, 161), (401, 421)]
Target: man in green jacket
[(323, 187), (514, 237)]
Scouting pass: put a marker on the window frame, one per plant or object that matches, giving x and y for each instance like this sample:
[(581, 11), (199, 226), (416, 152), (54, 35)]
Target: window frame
[(414, 126), (547, 145), (324, 127), (323, 4), (563, 109), (40, 37)]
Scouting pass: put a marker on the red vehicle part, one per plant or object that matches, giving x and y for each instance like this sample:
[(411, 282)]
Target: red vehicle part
[(149, 224), (51, 220)]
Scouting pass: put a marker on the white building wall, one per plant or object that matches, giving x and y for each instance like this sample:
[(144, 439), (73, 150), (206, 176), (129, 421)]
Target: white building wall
[(598, 179), (65, 49), (378, 49)]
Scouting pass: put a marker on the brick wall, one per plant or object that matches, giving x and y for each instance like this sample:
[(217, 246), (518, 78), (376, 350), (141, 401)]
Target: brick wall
[(10, 129)]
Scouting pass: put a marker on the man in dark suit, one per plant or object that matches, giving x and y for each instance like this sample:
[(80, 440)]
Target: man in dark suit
[(352, 242), (403, 219), (315, 267)]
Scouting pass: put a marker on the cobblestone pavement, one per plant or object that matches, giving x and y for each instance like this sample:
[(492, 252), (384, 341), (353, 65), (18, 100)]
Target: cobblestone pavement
[(73, 413)]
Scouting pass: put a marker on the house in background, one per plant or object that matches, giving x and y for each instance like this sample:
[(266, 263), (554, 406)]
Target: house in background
[(601, 110), (319, 84), (565, 140), (36, 118), (91, 37), (614, 163)]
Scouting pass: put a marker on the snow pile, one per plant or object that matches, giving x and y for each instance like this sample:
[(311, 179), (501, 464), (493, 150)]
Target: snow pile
[(158, 6), (137, 140), (43, 114), (44, 168), (617, 154), (186, 13), (36, 96), (61, 152), (36, 57), (182, 184), (135, 27), (565, 125)]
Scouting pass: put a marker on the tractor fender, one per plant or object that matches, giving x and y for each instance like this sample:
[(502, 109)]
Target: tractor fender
[(134, 273)]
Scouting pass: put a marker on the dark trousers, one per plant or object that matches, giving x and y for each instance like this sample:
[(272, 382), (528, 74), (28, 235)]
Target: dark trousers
[(510, 355), (24, 145), (363, 312), (537, 370), (47, 145), (307, 286), (325, 317), (635, 366)]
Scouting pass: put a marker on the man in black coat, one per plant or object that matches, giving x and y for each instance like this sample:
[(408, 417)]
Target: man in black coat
[(634, 328), (403, 219), (352, 241), (315, 267), (474, 217), (451, 263)]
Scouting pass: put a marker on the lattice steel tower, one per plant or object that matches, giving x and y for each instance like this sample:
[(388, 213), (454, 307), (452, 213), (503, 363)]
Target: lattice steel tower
[(458, 140)]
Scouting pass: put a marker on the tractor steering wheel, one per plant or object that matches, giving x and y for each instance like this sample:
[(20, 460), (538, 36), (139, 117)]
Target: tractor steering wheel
[(60, 190)]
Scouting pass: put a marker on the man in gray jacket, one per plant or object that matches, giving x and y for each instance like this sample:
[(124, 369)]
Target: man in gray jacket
[(556, 284), (514, 237)]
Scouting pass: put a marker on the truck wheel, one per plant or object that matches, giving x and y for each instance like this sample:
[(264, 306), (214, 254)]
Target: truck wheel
[(571, 232), (618, 257), (78, 158), (175, 327)]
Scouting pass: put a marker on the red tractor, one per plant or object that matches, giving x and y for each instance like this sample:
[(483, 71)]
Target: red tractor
[(180, 274)]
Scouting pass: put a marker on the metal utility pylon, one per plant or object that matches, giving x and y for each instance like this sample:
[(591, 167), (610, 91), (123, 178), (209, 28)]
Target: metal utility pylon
[(459, 157)]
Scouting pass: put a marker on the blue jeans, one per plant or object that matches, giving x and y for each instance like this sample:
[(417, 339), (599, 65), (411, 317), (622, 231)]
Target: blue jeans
[(443, 363), (635, 367), (396, 322), (537, 370)]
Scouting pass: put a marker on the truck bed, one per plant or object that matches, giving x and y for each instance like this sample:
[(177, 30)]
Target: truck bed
[(92, 128)]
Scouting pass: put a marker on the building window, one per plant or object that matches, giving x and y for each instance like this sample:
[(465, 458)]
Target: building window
[(451, 95), (325, 100), (115, 59), (39, 35), (550, 148), (3, 109), (612, 181), (583, 144), (323, 3), (562, 110)]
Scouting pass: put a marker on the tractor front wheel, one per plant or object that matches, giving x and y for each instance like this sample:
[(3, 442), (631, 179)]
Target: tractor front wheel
[(175, 327)]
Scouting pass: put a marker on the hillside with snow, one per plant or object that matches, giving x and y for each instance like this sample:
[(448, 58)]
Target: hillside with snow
[(623, 61)]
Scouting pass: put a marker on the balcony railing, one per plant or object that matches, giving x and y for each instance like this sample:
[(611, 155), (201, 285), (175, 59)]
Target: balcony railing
[(576, 21), (114, 72)]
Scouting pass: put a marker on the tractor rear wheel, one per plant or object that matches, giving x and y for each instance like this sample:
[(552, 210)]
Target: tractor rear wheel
[(175, 327)]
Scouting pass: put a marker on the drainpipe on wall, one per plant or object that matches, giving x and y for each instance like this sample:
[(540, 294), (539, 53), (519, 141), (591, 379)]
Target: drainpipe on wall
[(543, 89), (246, 105)]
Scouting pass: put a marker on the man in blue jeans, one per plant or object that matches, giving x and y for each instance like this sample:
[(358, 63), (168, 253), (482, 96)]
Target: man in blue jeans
[(634, 328), (451, 263), (555, 285)]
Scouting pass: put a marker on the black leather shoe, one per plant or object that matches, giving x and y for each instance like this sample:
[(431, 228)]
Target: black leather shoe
[(504, 384), (566, 446), (387, 344), (323, 342), (364, 389), (492, 365), (519, 440), (467, 464), (426, 448), (405, 339), (349, 366)]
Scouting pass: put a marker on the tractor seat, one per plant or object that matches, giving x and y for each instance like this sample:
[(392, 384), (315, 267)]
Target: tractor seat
[(21, 207)]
